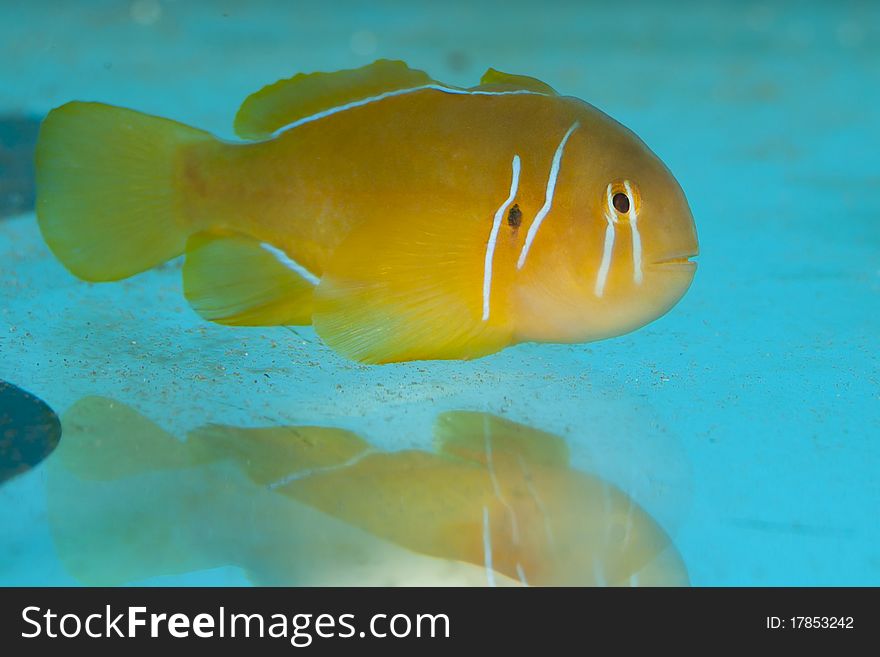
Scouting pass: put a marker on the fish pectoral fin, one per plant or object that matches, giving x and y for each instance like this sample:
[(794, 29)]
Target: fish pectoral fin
[(410, 287), (468, 434), (306, 94), (233, 279), (493, 80)]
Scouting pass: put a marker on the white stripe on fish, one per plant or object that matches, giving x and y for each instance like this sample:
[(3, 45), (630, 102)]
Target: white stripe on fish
[(602, 274), (636, 238), (290, 263), (398, 92), (493, 237), (548, 197), (521, 573), (490, 462), (487, 548), (302, 474), (548, 530)]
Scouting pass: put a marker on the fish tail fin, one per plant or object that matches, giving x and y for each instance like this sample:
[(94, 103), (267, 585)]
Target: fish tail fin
[(110, 199)]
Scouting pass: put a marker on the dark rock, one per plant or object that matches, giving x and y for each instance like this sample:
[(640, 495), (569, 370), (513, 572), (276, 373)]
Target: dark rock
[(29, 431)]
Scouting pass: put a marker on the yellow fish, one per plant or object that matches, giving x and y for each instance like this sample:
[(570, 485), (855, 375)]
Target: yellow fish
[(496, 503), (404, 218)]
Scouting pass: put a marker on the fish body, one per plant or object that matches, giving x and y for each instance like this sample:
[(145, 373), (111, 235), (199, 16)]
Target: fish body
[(404, 218)]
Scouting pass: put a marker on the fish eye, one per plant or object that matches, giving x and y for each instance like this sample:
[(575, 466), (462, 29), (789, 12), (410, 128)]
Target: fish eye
[(621, 202)]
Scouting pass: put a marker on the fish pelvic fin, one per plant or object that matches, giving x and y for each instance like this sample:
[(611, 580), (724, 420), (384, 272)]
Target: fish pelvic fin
[(236, 280), (109, 188)]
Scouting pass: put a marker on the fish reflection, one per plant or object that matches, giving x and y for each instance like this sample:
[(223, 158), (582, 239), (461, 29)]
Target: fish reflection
[(495, 503)]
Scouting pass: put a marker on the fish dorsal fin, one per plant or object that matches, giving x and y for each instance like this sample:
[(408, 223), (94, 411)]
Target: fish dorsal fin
[(466, 434), (493, 80), (409, 286), (270, 454), (305, 94), (236, 280)]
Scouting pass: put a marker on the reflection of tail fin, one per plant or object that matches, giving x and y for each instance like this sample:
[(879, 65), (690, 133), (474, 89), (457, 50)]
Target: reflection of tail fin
[(104, 439), (117, 508), (108, 195), (127, 501)]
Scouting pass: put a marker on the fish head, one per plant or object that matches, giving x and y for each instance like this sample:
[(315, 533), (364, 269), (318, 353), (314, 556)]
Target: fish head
[(614, 252)]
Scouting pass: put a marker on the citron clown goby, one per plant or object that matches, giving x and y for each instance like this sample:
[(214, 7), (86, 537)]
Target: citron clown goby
[(404, 218)]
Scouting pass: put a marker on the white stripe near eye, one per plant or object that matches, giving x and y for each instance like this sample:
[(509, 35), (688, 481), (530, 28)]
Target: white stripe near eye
[(548, 197), (609, 201), (607, 251), (493, 237), (636, 237)]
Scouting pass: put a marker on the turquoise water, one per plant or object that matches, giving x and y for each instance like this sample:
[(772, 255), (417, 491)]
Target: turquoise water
[(745, 422)]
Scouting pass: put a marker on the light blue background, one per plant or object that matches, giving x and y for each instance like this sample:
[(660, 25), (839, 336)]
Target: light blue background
[(747, 420)]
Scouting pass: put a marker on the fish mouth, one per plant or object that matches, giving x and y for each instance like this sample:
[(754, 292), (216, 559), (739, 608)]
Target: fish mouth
[(677, 262)]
